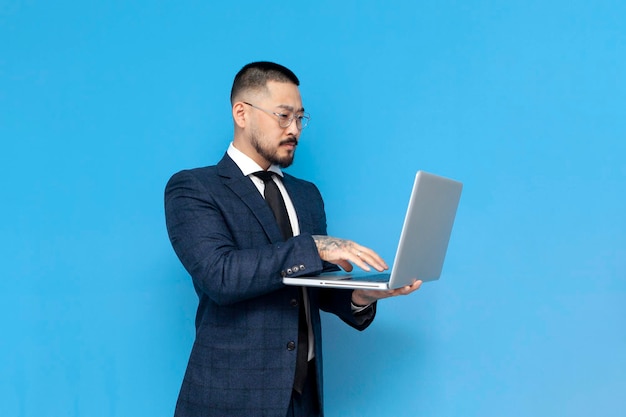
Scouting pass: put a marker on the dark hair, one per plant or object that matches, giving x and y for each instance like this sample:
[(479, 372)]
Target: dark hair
[(255, 76)]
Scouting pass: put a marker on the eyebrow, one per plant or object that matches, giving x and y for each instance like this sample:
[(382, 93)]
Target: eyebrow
[(291, 109)]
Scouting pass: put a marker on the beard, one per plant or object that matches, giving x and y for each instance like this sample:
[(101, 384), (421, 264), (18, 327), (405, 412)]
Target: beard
[(270, 153)]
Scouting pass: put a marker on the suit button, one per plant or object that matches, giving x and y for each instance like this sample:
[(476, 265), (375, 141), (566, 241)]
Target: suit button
[(294, 302), (289, 271), (301, 267), (295, 269), (291, 346)]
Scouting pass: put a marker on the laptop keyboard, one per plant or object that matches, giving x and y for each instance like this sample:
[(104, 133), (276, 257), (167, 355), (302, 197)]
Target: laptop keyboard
[(369, 277)]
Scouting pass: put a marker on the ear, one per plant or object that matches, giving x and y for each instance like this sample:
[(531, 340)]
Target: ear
[(239, 114)]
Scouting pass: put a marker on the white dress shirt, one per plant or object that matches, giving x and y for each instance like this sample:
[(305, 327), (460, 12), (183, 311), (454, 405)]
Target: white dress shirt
[(248, 167)]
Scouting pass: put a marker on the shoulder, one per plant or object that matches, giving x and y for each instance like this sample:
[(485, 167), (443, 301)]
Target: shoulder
[(201, 172), (304, 194), (226, 168), (293, 182), (204, 175)]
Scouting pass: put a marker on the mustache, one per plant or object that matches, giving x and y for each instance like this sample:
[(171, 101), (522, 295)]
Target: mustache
[(290, 141)]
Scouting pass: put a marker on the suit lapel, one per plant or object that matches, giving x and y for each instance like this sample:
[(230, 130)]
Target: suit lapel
[(243, 187), (301, 202)]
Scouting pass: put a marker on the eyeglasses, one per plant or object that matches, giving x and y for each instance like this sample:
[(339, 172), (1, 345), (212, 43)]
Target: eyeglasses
[(285, 119)]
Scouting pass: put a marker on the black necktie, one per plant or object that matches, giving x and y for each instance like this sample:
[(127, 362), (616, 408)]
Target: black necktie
[(275, 200)]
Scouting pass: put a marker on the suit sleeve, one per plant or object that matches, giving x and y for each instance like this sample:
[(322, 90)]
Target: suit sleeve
[(339, 303), (223, 247)]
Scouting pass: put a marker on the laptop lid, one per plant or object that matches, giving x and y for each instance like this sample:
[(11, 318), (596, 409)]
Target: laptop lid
[(423, 240), (427, 228)]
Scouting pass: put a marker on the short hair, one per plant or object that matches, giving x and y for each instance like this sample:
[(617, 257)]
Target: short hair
[(255, 76)]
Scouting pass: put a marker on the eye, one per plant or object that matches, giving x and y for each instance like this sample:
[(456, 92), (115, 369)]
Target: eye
[(284, 116)]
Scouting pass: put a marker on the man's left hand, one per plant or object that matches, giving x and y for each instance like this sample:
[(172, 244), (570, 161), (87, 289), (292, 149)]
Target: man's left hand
[(366, 297)]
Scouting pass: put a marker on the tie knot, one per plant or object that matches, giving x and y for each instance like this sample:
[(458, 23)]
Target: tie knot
[(266, 176)]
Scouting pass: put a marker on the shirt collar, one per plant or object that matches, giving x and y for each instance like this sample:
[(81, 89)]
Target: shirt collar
[(246, 164)]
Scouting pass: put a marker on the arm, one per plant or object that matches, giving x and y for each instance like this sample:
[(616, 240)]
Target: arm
[(342, 252), (223, 246)]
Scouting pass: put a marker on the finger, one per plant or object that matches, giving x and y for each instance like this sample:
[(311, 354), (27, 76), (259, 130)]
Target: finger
[(406, 290), (347, 266), (355, 256), (411, 288), (373, 257), (366, 255), (358, 261)]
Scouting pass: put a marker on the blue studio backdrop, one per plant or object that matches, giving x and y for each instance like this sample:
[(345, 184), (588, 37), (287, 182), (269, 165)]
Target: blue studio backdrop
[(522, 101)]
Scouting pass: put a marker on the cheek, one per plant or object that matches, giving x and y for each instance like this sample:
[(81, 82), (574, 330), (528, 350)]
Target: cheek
[(270, 131)]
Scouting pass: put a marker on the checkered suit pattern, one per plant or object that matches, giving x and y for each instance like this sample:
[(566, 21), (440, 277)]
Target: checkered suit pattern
[(243, 359)]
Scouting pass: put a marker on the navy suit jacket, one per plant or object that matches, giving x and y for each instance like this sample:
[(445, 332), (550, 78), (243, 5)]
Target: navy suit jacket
[(243, 359)]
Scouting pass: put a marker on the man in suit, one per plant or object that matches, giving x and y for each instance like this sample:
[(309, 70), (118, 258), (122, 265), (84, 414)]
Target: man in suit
[(258, 347)]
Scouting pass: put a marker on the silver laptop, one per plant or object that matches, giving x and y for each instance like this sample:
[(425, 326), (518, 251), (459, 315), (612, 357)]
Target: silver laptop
[(423, 240)]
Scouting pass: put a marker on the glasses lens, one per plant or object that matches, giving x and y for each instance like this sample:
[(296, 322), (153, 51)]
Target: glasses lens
[(284, 120), (302, 121)]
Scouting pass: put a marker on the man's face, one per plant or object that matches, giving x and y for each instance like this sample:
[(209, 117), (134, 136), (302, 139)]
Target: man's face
[(272, 143)]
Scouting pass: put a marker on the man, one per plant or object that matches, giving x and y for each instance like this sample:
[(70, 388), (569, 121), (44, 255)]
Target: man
[(258, 348)]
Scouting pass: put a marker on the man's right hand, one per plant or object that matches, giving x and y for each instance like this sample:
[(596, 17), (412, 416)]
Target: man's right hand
[(345, 252)]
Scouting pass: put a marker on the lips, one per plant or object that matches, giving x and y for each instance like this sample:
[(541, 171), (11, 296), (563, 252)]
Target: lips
[(289, 142)]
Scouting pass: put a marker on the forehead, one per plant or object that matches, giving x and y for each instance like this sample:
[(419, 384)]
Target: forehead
[(284, 95)]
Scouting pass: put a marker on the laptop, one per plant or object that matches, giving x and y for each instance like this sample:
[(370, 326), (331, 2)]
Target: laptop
[(423, 241)]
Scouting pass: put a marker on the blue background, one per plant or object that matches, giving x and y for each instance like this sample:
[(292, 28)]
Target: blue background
[(523, 101)]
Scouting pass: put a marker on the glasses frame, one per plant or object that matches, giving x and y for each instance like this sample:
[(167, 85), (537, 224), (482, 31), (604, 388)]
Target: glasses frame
[(302, 120)]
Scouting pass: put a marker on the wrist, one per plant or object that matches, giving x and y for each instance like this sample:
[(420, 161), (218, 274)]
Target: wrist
[(360, 302)]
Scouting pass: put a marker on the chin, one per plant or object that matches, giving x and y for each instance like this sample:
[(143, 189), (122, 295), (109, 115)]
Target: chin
[(285, 163), (286, 160)]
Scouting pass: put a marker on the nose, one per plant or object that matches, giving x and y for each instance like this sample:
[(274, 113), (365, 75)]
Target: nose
[(292, 129)]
